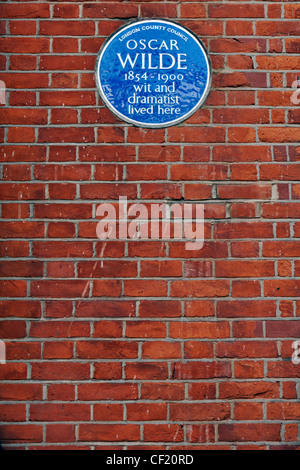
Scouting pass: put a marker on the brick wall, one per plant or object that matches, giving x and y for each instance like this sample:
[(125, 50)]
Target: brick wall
[(144, 344)]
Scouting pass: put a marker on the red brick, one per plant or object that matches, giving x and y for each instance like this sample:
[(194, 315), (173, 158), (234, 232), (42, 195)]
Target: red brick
[(198, 350), (163, 432), (107, 371), (282, 288), (191, 134), (66, 98), (247, 349), (250, 432), (235, 230), (248, 329), (21, 392), (241, 153), (116, 391), (21, 269), (199, 308), (246, 308), (254, 269), (283, 411), (60, 371), (67, 28), (58, 350), (60, 433), (14, 433), (192, 11), (59, 329), (104, 412), (199, 330), (200, 412), (143, 288), (239, 28), (21, 134), (109, 10), (285, 329), (201, 433), (246, 288), (13, 288), (106, 350), (146, 371), (160, 308), (161, 350), (21, 28), (152, 10), (66, 11), (20, 308), (146, 411), (248, 390), (244, 45), (27, 10), (71, 134), (66, 412), (249, 369), (162, 391), (201, 370), (145, 329), (277, 28), (200, 288), (52, 62), (202, 391), (236, 11), (14, 248), (61, 288), (109, 432), (279, 134), (241, 134), (110, 309)]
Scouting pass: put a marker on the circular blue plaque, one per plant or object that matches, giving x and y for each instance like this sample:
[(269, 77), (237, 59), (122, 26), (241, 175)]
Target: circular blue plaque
[(153, 73)]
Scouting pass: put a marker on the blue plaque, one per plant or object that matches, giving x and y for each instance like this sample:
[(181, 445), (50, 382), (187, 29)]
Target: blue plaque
[(153, 73)]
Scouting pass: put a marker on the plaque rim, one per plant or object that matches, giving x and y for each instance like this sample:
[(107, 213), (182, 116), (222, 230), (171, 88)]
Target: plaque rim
[(152, 125)]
